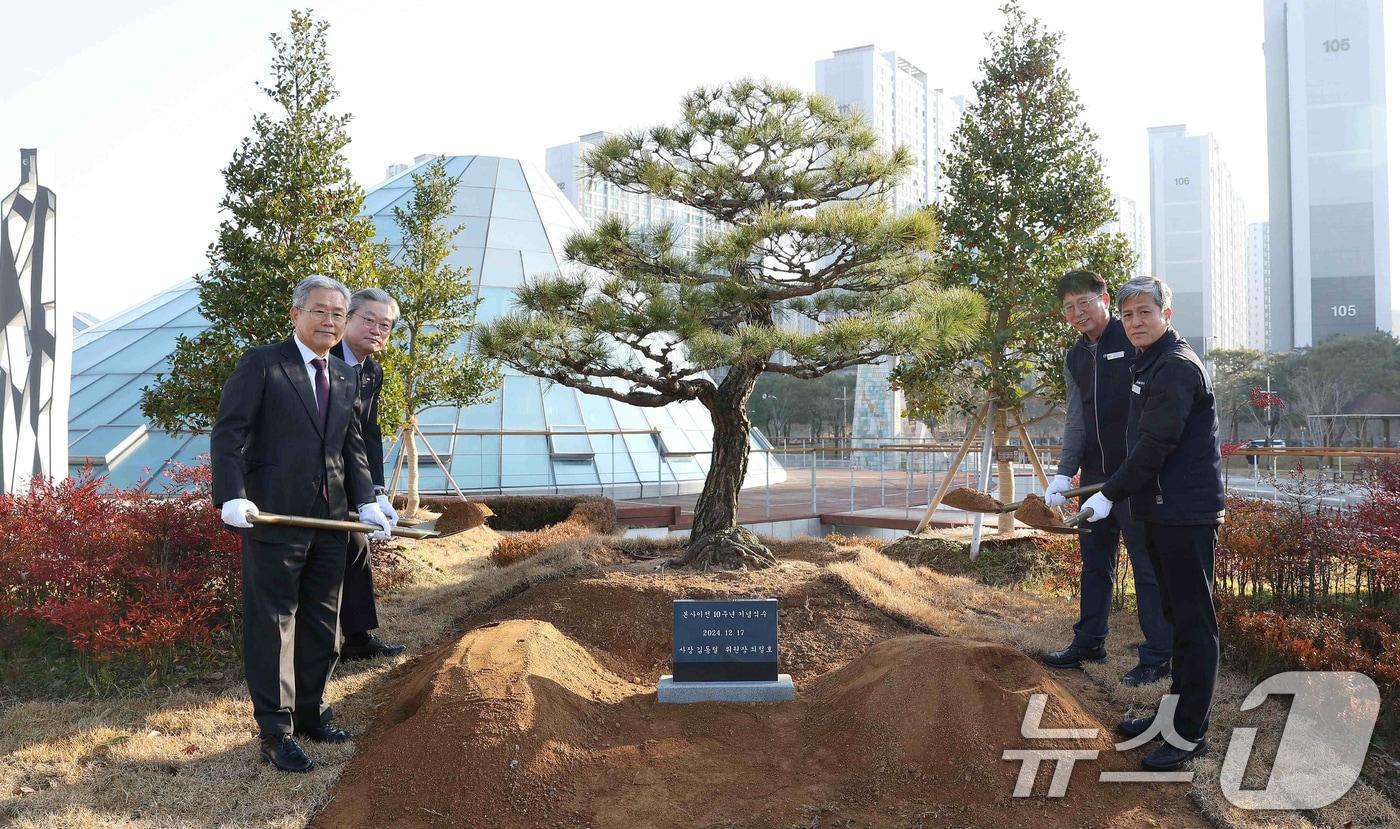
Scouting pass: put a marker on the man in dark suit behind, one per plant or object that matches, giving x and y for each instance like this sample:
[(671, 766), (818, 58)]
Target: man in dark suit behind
[(372, 316), (287, 440)]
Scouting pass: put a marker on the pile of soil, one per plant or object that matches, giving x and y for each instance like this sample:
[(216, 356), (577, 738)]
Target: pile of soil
[(545, 714), (972, 500), (1003, 560), (1035, 512)]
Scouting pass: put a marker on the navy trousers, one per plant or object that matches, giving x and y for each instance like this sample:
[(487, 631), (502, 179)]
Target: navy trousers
[(1098, 552), (1184, 558)]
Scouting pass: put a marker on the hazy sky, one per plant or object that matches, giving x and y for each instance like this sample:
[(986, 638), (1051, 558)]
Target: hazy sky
[(137, 105)]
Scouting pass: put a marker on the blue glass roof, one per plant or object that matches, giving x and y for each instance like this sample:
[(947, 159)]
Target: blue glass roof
[(515, 222)]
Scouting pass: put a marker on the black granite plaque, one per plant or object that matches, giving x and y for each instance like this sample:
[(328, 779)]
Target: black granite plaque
[(724, 640)]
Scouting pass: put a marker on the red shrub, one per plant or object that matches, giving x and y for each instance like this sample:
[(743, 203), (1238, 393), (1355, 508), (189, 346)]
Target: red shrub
[(119, 572)]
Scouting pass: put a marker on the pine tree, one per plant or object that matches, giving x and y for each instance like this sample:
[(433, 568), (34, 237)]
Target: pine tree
[(428, 361), (800, 189), (293, 211), (1026, 200)]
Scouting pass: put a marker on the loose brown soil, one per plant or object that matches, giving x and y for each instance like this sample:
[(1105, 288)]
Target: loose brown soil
[(544, 714), (972, 500), (1036, 513)]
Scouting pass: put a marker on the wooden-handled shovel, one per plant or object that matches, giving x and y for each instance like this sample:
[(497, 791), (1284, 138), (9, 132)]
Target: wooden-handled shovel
[(273, 519)]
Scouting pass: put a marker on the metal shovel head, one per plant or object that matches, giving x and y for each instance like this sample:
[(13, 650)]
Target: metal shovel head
[(1036, 513), (971, 500)]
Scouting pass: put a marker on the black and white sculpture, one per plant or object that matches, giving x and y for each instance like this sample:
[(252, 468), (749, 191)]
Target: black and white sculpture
[(36, 339)]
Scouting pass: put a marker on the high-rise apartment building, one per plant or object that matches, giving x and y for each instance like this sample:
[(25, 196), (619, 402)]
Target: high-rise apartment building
[(1198, 237), (597, 199), (1324, 67), (1258, 290), (1130, 221), (894, 97)]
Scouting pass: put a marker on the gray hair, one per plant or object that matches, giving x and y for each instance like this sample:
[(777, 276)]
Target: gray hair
[(303, 290), (1160, 291), (360, 297)]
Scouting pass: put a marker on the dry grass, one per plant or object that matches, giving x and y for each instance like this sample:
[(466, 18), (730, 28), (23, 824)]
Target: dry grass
[(185, 758)]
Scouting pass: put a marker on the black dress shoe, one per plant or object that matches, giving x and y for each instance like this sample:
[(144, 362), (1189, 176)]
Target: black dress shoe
[(374, 646), (1072, 656), (286, 754), (1134, 726), (325, 734), (1167, 757), (1147, 674)]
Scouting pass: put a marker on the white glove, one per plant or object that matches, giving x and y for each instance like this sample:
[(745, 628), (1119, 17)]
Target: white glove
[(372, 514), (1101, 507), (1052, 493), (235, 512), (387, 507)]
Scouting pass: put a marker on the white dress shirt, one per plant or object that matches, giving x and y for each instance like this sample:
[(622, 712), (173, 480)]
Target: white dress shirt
[(307, 355)]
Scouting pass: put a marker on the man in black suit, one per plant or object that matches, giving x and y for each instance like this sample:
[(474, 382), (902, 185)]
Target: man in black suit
[(372, 316), (287, 440)]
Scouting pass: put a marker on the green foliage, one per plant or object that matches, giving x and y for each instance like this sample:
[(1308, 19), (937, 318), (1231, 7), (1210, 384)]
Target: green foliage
[(293, 210), (824, 406), (428, 361), (1331, 376), (760, 157), (1026, 199)]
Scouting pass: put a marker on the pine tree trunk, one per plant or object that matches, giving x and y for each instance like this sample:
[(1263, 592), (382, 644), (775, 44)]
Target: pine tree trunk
[(1006, 480), (410, 449), (716, 539)]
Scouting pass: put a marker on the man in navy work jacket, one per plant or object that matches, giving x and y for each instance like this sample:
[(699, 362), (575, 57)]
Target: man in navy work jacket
[(372, 316), (1098, 372), (287, 440), (1172, 477)]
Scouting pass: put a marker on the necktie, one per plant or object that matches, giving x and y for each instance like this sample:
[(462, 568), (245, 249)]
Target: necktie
[(323, 407), (323, 390)]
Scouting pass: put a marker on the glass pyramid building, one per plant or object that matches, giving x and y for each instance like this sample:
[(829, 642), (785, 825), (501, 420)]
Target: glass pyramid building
[(535, 436)]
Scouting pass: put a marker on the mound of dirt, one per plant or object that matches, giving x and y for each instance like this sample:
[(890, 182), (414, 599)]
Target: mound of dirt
[(1003, 561), (547, 716)]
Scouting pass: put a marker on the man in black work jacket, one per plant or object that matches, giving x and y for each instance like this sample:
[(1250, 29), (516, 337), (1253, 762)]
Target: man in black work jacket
[(1098, 372), (1172, 476), (372, 316)]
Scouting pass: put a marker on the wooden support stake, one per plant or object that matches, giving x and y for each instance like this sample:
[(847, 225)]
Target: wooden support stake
[(943, 488)]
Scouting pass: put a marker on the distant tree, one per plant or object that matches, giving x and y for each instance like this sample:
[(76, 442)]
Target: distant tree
[(293, 210), (1026, 201), (1237, 371), (429, 360), (782, 403), (1329, 377), (800, 188)]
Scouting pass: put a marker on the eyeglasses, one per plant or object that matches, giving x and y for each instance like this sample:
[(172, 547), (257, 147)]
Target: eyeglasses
[(381, 326), (1082, 305), (334, 316)]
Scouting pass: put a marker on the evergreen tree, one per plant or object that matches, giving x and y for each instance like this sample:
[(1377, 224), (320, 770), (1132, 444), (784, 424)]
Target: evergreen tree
[(428, 361), (292, 211), (1026, 199), (800, 188)]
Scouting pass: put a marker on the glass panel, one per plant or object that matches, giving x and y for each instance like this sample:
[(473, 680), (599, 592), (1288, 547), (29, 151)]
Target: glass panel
[(642, 450), (481, 416), (561, 406), (99, 442), (514, 204), (386, 230), (539, 182), (155, 302), (467, 258), (379, 199), (513, 233), (438, 416), (575, 473), (501, 268), (472, 201), (525, 461), (457, 165), (191, 317), (610, 456), (597, 411), (167, 312), (659, 417), (629, 417), (145, 460), (570, 445), (522, 405), (510, 177), (88, 356), (674, 441), (553, 211), (110, 410), (480, 173), (140, 356), (685, 469), (539, 264), (133, 415), (495, 303), (472, 234), (558, 236), (98, 388)]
